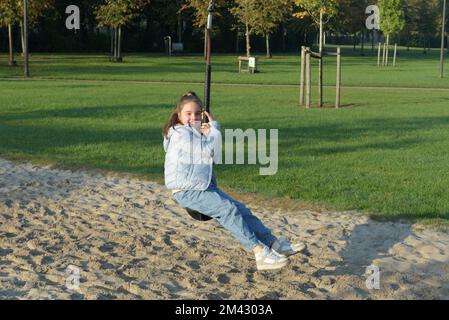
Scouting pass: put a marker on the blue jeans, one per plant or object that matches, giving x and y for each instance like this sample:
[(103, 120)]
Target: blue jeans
[(231, 214)]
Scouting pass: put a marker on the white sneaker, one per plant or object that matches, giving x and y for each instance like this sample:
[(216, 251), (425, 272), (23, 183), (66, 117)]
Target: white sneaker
[(286, 248), (267, 259)]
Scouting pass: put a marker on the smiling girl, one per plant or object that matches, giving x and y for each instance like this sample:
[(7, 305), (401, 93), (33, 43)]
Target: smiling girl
[(194, 186)]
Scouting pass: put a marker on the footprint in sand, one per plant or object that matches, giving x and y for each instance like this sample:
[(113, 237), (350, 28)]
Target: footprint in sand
[(193, 264), (5, 252), (223, 278), (108, 247)]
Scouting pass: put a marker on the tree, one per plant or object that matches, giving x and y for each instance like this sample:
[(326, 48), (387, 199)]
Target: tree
[(269, 14), (320, 11), (11, 13), (36, 10), (391, 19), (248, 15), (9, 16), (351, 19), (116, 14), (200, 13)]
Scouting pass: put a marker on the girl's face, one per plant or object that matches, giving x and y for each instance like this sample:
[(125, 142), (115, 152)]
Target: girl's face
[(190, 113)]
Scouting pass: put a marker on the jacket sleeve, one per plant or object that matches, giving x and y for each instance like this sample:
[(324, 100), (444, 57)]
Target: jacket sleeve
[(166, 141)]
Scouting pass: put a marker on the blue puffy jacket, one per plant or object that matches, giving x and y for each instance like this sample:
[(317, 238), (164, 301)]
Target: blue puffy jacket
[(190, 157)]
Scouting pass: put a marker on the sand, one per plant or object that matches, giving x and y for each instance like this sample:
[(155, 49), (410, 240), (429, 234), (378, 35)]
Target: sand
[(130, 240)]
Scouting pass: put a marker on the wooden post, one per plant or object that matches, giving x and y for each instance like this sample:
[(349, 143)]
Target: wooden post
[(338, 97), (395, 54), (303, 73), (378, 54), (384, 54), (320, 63), (308, 78)]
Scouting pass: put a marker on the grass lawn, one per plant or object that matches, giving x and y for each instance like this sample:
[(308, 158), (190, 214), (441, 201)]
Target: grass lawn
[(414, 69), (386, 152)]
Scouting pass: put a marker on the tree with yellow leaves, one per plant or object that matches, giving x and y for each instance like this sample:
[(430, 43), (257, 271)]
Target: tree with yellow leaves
[(9, 16), (320, 11)]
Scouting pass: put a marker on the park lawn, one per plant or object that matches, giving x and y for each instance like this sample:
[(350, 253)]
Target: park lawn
[(414, 69), (384, 153)]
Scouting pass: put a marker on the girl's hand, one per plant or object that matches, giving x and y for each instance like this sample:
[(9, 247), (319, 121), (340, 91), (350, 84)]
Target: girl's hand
[(209, 116), (205, 129)]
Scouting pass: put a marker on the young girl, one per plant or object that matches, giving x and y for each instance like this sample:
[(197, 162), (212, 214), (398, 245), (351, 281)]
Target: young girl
[(194, 185)]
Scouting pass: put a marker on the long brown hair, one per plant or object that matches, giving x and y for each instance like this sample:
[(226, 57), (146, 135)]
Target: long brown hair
[(174, 119)]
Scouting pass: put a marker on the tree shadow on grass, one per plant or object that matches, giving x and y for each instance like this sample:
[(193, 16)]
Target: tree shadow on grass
[(344, 131), (136, 150)]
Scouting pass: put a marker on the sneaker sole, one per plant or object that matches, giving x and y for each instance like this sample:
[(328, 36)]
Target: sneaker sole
[(299, 249), (272, 266)]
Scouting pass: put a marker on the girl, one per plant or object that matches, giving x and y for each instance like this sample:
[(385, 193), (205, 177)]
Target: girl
[(194, 186)]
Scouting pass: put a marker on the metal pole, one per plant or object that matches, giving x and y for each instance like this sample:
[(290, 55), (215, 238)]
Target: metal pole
[(25, 36), (208, 58), (195, 214), (442, 41)]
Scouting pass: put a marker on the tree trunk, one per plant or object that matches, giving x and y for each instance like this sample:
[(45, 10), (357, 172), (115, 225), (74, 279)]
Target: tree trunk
[(248, 43), (26, 53), (114, 59), (388, 47), (119, 45), (111, 31), (11, 51), (22, 39), (179, 28), (267, 39), (284, 38), (362, 53), (237, 41), (424, 45)]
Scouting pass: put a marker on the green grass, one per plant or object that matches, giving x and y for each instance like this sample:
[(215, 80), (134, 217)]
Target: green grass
[(414, 69), (385, 152)]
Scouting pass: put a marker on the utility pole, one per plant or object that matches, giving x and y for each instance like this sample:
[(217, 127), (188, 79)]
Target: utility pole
[(25, 36), (442, 40)]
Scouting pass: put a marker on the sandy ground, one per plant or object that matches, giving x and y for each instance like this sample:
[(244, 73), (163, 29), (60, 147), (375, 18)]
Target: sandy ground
[(130, 240)]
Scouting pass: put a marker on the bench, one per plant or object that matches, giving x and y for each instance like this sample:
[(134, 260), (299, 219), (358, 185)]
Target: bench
[(252, 64)]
